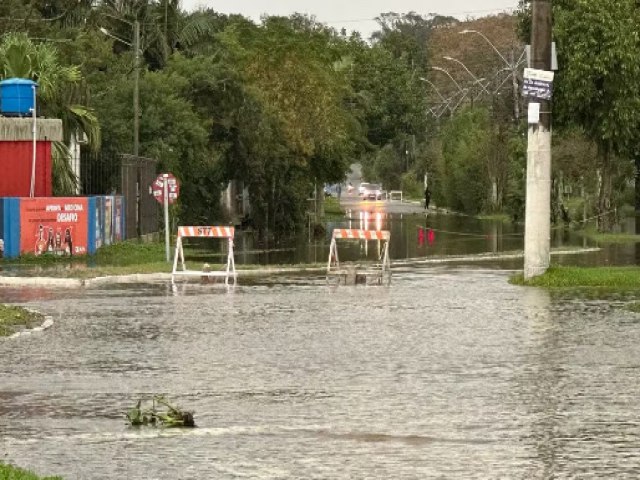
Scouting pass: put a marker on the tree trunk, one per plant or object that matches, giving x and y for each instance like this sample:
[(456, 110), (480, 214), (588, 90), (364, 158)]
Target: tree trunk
[(605, 215)]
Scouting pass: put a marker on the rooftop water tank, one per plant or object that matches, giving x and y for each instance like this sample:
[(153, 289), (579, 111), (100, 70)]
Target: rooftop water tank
[(16, 97)]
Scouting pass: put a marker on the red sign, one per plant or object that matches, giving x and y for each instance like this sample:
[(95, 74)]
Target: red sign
[(55, 226), (157, 188)]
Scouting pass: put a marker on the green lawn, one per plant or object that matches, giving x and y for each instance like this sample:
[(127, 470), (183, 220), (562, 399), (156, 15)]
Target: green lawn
[(13, 319), (7, 472), (118, 259), (332, 206), (602, 277)]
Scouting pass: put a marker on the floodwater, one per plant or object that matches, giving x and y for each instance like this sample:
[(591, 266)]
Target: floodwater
[(450, 372), (417, 235)]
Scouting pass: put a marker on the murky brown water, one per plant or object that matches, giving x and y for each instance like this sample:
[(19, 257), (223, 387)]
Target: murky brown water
[(448, 373)]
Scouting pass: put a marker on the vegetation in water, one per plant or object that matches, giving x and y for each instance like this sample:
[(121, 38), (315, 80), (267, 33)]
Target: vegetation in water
[(634, 307), (160, 414), (8, 472), (600, 277), (13, 319)]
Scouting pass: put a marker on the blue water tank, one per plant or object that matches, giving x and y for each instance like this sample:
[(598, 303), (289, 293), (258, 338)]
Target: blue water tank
[(16, 97)]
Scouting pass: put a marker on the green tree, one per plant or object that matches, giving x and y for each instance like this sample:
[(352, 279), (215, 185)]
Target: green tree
[(463, 171), (598, 86), (61, 95)]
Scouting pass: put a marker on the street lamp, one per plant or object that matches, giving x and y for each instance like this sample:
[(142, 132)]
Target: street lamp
[(136, 111), (136, 85), (440, 69), (477, 80), (512, 67), (445, 102)]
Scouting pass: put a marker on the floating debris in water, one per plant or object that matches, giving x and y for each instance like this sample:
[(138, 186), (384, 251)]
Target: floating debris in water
[(170, 417)]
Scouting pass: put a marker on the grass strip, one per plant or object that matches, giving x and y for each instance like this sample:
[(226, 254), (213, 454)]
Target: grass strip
[(565, 277), (332, 206), (7, 472), (13, 319)]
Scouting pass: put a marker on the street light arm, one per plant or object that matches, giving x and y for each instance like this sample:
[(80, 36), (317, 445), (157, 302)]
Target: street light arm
[(440, 69), (490, 43), (476, 79), (115, 37), (451, 59), (434, 87), (115, 17)]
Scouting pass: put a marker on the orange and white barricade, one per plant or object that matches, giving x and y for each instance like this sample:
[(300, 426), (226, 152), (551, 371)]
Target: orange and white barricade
[(380, 272), (221, 232)]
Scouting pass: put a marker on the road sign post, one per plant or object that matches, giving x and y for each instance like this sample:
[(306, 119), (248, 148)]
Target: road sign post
[(166, 189)]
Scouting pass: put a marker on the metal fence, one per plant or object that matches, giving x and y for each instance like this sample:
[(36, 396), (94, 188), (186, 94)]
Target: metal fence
[(129, 176)]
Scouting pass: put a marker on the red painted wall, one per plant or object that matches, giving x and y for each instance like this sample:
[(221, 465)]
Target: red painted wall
[(15, 169)]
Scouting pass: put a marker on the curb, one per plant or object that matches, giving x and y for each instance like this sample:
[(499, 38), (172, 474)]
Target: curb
[(166, 277), (123, 279), (41, 282), (48, 323)]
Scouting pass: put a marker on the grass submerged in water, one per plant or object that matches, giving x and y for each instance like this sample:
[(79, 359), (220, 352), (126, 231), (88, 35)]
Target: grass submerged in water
[(600, 277), (8, 472), (13, 319)]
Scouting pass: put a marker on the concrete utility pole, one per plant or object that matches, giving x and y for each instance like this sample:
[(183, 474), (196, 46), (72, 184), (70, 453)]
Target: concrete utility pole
[(537, 238)]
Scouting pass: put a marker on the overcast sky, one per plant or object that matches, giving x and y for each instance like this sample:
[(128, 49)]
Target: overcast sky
[(354, 14)]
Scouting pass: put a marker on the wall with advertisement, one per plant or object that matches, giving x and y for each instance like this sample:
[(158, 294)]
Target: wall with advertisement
[(118, 219), (56, 226), (99, 223), (109, 220), (64, 226)]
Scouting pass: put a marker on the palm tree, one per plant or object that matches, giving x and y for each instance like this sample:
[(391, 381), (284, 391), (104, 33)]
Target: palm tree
[(61, 96), (164, 27)]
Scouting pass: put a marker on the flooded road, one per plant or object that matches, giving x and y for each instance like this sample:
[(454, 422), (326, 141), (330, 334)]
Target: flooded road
[(411, 239), (448, 373)]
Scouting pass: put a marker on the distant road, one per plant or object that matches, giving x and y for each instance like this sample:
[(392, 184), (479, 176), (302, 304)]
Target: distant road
[(354, 202)]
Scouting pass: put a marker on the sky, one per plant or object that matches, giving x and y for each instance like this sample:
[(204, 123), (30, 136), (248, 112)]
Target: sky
[(354, 14)]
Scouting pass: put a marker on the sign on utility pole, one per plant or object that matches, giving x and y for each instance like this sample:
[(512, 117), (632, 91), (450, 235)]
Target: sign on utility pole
[(538, 86), (166, 190)]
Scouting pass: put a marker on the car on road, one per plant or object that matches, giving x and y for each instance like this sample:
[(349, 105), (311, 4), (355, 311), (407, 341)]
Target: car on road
[(362, 187), (372, 191)]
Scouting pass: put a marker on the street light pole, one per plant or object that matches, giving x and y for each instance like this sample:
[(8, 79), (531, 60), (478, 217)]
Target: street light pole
[(136, 112), (516, 95), (136, 78), (136, 89)]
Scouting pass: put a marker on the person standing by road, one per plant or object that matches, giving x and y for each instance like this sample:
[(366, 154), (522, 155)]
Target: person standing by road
[(427, 198)]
